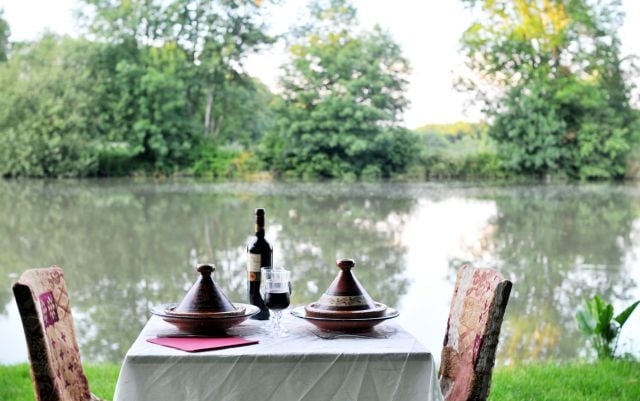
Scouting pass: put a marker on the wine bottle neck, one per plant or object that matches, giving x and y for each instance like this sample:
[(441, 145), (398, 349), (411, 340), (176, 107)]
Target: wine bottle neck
[(260, 222)]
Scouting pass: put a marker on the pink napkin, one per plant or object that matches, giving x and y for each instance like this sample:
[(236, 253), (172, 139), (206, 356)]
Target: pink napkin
[(195, 344)]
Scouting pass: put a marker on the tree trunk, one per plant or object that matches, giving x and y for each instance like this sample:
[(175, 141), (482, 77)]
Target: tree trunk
[(208, 111), (217, 125)]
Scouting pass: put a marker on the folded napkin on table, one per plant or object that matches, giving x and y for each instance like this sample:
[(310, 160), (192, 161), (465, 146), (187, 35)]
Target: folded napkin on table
[(195, 344)]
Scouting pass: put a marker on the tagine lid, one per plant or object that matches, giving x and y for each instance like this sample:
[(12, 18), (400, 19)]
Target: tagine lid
[(345, 297), (205, 297)]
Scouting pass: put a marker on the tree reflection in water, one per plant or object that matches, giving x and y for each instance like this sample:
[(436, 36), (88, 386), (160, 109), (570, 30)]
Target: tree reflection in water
[(125, 247), (559, 245)]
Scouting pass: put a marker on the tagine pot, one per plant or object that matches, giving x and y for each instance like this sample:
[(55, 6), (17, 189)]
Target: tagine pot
[(205, 308), (205, 297), (345, 298)]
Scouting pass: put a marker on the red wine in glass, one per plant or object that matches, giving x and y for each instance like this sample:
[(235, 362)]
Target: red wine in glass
[(277, 300)]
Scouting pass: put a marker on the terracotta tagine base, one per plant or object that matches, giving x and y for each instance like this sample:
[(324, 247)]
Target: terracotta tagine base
[(204, 324)]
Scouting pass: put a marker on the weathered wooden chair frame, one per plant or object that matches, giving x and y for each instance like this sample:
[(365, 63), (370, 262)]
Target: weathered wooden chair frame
[(479, 301), (45, 310)]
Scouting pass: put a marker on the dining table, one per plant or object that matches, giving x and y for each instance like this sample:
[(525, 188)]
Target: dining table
[(387, 363)]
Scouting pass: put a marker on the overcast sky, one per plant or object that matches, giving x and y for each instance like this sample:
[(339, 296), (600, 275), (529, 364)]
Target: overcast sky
[(428, 31)]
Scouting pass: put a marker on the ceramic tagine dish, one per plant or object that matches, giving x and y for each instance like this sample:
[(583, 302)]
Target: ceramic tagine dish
[(205, 309), (345, 306)]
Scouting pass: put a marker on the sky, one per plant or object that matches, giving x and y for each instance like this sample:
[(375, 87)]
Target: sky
[(427, 30)]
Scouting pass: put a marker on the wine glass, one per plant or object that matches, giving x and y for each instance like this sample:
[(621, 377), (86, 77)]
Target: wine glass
[(277, 291)]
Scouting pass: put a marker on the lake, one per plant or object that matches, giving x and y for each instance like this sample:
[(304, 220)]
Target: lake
[(126, 245)]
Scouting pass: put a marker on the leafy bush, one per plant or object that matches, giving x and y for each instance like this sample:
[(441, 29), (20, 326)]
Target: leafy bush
[(47, 124), (553, 80), (563, 126), (4, 37), (597, 322), (343, 94), (115, 159), (214, 161), (444, 165)]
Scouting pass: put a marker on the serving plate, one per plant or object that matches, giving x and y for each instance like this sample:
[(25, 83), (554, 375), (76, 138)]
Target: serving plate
[(350, 325), (205, 322)]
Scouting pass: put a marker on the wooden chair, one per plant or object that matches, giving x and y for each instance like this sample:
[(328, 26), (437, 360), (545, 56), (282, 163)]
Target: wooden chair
[(56, 369), (468, 354)]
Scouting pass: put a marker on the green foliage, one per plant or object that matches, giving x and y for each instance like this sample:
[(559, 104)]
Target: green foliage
[(455, 131), (343, 92), (183, 81), (480, 165), (564, 126), (152, 113), (47, 124), (161, 79), (214, 161), (116, 159), (4, 37), (459, 151), (101, 109), (554, 84), (597, 322), (214, 37), (248, 114)]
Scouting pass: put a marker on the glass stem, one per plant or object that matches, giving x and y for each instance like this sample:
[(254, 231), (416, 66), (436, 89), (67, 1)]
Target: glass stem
[(276, 319)]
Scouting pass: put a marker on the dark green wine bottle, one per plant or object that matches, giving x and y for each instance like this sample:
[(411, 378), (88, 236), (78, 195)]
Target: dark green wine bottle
[(259, 255)]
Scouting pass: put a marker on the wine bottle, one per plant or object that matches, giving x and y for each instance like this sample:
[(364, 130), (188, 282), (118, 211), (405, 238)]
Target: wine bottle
[(259, 254)]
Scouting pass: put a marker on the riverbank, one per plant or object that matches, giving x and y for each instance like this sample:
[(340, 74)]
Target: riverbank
[(607, 380)]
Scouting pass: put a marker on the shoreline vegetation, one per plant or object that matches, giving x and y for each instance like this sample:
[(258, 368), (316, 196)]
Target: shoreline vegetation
[(602, 380), (147, 89), (461, 152)]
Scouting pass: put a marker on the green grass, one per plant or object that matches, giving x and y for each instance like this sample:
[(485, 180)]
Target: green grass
[(15, 381), (600, 381)]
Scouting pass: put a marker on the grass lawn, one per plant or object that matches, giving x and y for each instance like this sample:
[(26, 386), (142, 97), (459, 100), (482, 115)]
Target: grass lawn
[(600, 381), (15, 381)]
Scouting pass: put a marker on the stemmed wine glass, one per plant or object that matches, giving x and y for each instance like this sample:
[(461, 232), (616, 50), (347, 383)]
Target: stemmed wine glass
[(277, 290)]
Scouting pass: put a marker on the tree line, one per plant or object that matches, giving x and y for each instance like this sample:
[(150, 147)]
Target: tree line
[(159, 87)]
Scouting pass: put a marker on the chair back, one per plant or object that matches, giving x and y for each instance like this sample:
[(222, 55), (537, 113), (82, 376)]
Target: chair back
[(479, 300), (45, 310)]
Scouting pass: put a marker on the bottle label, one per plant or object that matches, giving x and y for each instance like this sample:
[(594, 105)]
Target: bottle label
[(253, 276), (253, 266)]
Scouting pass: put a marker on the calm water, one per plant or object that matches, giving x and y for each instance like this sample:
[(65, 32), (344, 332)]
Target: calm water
[(127, 245)]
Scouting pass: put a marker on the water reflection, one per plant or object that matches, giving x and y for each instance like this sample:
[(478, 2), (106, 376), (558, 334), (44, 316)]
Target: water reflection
[(575, 254), (560, 246), (126, 245)]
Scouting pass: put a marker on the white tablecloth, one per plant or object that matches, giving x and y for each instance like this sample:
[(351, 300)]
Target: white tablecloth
[(299, 367)]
